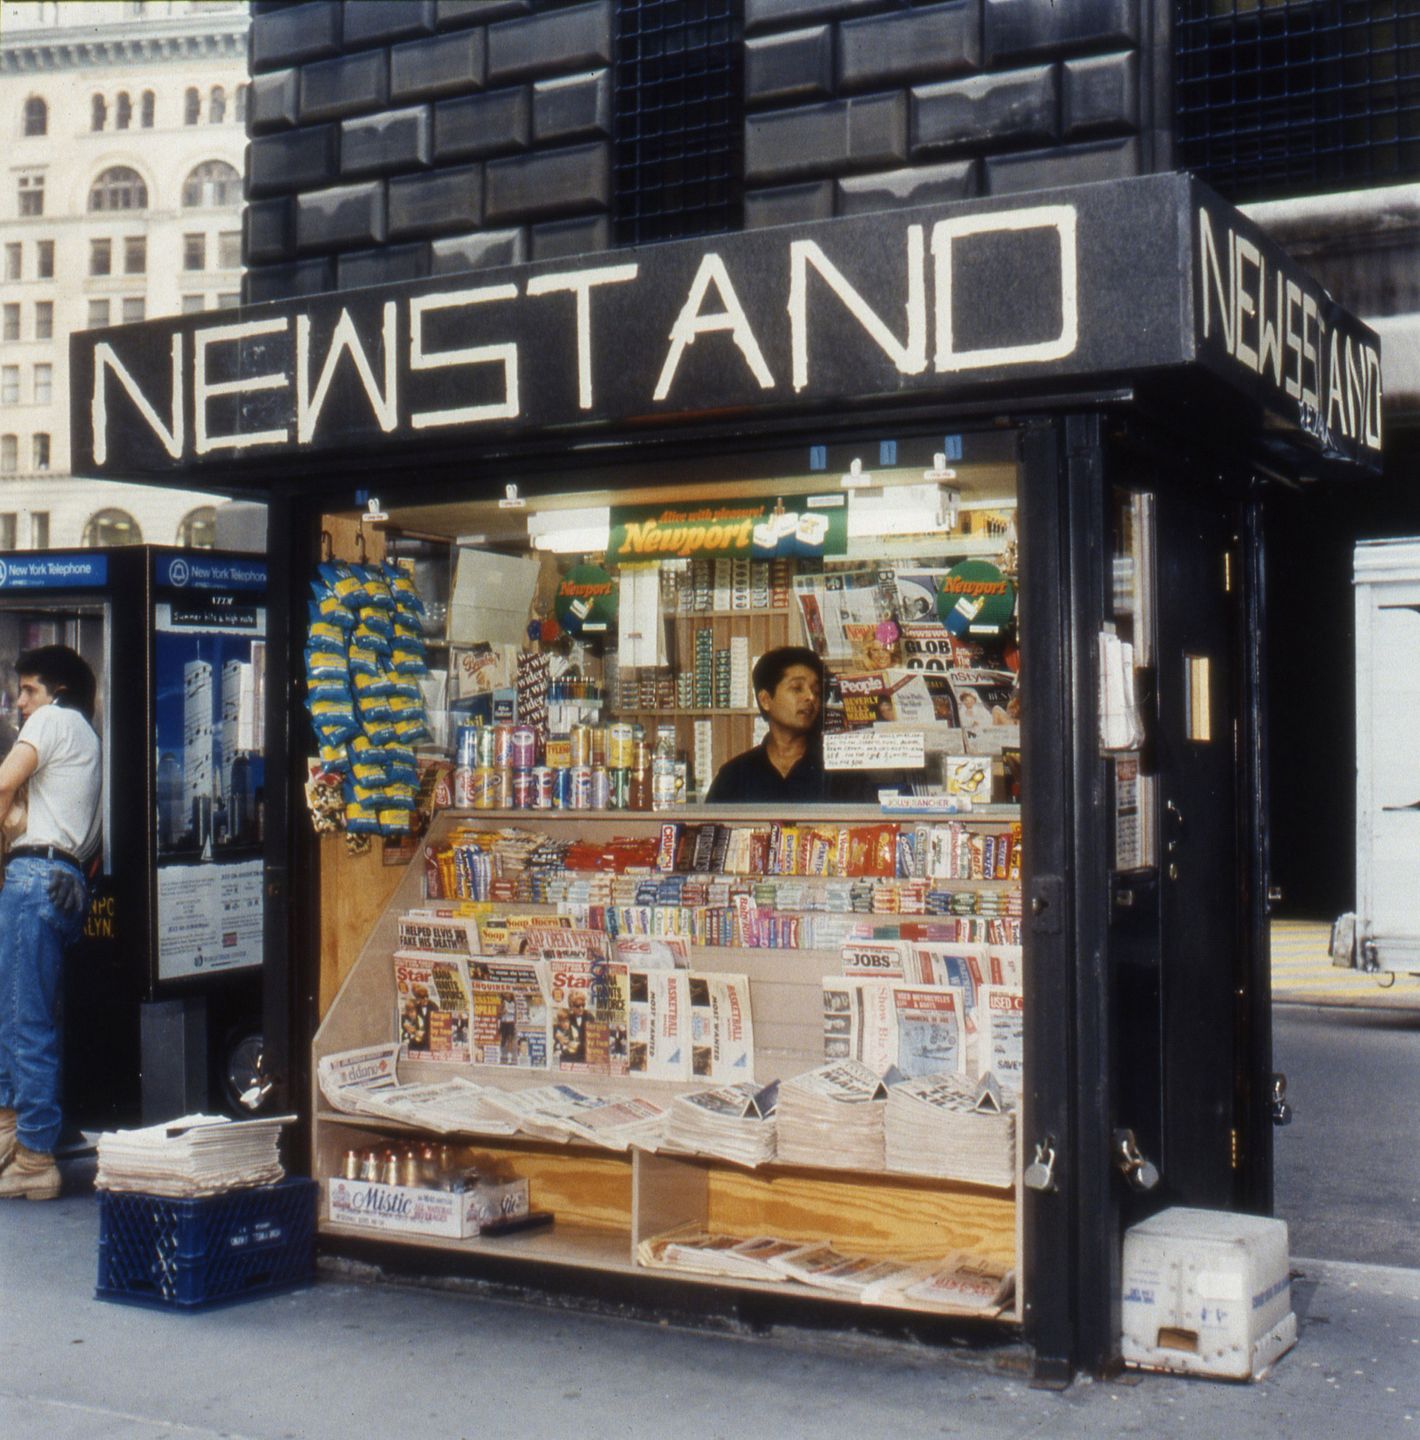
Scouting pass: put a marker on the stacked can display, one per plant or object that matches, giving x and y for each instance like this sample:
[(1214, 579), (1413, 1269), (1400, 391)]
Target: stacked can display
[(364, 657)]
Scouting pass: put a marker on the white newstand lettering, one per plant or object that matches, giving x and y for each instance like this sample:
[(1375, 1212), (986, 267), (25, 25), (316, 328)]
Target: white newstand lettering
[(726, 314)]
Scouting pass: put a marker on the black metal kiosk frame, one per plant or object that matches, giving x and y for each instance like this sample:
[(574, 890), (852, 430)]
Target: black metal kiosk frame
[(1138, 337)]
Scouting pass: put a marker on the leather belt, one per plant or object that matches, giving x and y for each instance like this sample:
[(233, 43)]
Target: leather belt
[(43, 852)]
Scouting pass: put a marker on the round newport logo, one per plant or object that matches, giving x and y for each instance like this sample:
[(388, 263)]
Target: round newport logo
[(4, 572), (178, 573)]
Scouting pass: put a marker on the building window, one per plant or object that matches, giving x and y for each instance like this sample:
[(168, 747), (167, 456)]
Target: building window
[(36, 116), (9, 454), (197, 530), (135, 308), (217, 106), (229, 299), (242, 103), (194, 252), (31, 194), (44, 319), (193, 304), (44, 266), (100, 257), (98, 113), (191, 106), (124, 111), (111, 527), (40, 451), (44, 384), (147, 110), (229, 250), (14, 261), (119, 188), (39, 529), (11, 329), (7, 530), (9, 384), (98, 314), (135, 255), (214, 182)]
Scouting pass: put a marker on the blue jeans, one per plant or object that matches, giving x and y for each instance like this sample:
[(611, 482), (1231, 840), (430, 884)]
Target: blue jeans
[(34, 934)]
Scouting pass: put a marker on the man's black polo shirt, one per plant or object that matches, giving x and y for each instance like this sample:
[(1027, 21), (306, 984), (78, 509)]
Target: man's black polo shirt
[(752, 779)]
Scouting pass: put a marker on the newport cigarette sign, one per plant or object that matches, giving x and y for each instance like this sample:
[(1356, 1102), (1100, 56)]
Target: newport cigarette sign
[(1129, 279)]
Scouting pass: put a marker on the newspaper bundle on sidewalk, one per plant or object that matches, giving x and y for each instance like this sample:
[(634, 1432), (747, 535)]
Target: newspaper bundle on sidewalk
[(191, 1156), (833, 1116), (733, 1122), (953, 1128)]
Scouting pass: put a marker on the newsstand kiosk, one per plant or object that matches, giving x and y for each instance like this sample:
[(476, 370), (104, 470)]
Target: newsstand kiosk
[(1093, 391)]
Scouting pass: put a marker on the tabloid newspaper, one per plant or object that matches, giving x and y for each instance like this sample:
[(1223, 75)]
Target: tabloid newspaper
[(431, 1006), (733, 1122), (511, 1016), (884, 1023), (447, 1107), (349, 1079), (659, 1024), (950, 1126), (539, 942), (653, 952), (1001, 1033), (506, 933), (721, 1030), (618, 1123), (976, 1284), (438, 934), (543, 1112), (588, 999)]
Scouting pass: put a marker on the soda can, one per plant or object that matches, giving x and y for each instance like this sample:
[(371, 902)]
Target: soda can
[(524, 747), (619, 751), (503, 788), (503, 747), (485, 788), (620, 787), (542, 787), (580, 739), (483, 740), (463, 787), (523, 790), (466, 746), (601, 788), (581, 787), (598, 746), (562, 788)]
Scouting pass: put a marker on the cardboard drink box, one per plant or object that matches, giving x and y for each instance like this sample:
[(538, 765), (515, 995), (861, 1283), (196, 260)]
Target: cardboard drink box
[(452, 1214)]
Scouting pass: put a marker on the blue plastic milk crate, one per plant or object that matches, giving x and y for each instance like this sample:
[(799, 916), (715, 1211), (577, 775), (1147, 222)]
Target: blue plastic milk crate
[(192, 1254)]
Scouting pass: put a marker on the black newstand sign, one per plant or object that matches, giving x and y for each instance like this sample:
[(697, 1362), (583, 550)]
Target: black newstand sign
[(1136, 280)]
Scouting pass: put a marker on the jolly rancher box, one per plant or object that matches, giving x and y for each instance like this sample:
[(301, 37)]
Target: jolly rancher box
[(452, 1214)]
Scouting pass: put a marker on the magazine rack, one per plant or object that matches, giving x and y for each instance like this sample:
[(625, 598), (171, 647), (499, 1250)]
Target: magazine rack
[(606, 1202)]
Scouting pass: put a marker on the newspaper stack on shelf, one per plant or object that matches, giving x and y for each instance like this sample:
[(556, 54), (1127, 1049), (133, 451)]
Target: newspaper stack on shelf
[(732, 1122), (960, 1282), (828, 1269), (617, 1124), (952, 1127), (191, 1156), (833, 1116), (705, 1254), (447, 1107), (352, 1080)]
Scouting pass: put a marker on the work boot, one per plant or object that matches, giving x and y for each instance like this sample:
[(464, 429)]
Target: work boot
[(30, 1173), (7, 1136)]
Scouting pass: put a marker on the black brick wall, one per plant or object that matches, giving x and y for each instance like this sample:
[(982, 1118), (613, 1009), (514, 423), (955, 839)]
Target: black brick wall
[(398, 138)]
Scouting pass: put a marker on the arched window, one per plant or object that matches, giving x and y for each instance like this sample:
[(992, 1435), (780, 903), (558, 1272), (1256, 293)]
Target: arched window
[(217, 106), (37, 116), (111, 527), (242, 91), (148, 103), (98, 113), (119, 188), (197, 530), (123, 117), (214, 182), (191, 106)]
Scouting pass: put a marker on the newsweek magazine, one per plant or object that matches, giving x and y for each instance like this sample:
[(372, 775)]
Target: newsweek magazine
[(431, 1006), (511, 1016), (721, 1030), (1001, 1033), (589, 1001), (659, 1024)]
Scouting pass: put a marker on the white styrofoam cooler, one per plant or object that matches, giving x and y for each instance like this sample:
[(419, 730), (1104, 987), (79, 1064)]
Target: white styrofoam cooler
[(1207, 1292)]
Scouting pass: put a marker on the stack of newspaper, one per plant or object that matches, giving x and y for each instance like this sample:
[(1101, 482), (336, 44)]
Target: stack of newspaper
[(833, 1116), (952, 1127), (733, 1122), (193, 1155), (704, 1254)]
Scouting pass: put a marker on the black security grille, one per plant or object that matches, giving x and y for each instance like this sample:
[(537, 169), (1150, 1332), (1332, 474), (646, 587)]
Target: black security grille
[(1292, 97), (679, 121)]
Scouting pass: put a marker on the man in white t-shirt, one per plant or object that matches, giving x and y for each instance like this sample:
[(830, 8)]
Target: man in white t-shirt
[(43, 903)]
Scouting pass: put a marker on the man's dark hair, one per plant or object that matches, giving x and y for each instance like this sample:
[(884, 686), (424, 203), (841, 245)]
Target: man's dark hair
[(64, 673), (769, 669)]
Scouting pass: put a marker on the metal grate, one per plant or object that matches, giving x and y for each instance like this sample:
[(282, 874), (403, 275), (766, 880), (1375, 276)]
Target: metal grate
[(1291, 97), (678, 138)]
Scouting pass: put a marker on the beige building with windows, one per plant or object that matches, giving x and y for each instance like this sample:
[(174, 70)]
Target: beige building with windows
[(123, 128)]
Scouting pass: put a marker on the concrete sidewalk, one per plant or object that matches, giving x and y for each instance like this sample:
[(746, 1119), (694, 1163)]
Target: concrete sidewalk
[(345, 1359)]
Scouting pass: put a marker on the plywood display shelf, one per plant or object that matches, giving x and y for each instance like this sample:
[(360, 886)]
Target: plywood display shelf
[(607, 1202)]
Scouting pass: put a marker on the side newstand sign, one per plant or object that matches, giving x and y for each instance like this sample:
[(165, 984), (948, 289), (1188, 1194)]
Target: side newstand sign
[(1131, 279)]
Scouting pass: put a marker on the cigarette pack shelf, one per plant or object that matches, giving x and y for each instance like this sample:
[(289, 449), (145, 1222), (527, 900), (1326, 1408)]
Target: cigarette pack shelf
[(607, 1202)]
